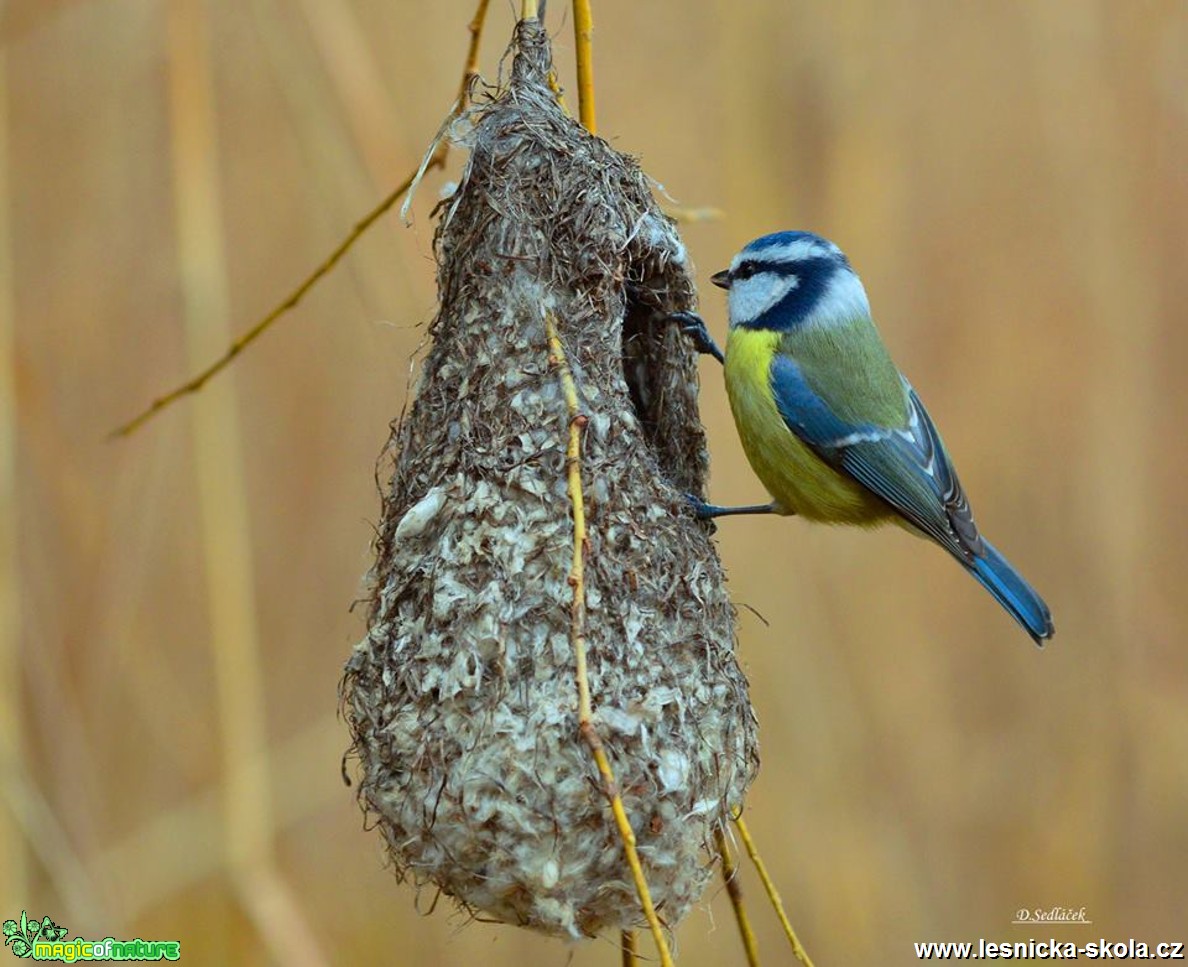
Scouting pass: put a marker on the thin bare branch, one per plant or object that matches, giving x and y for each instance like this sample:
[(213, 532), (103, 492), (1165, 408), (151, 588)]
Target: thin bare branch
[(734, 890), (583, 32), (772, 893), (437, 160)]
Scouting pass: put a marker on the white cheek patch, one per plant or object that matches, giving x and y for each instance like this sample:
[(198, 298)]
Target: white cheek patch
[(751, 298)]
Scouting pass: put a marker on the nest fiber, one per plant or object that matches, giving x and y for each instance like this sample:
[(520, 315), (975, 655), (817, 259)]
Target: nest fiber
[(462, 697)]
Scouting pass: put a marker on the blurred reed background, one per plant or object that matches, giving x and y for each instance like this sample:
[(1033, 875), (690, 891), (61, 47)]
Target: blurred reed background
[(1008, 177)]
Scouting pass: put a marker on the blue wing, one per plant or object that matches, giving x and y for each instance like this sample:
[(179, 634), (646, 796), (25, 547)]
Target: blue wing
[(906, 466), (909, 469)]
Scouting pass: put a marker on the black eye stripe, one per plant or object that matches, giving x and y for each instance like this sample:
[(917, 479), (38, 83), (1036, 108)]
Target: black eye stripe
[(809, 266), (745, 271)]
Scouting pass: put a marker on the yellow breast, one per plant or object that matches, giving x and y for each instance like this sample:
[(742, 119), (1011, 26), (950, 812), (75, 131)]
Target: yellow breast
[(796, 477)]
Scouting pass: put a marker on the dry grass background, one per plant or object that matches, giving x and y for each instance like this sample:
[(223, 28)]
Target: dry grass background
[(1010, 180)]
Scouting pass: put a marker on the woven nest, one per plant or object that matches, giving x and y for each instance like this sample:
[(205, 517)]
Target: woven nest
[(462, 698)]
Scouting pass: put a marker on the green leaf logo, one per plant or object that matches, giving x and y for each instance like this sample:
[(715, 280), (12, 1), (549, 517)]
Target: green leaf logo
[(21, 936)]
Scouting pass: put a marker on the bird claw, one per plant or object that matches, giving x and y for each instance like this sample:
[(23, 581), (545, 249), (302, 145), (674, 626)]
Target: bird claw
[(693, 326), (701, 509)]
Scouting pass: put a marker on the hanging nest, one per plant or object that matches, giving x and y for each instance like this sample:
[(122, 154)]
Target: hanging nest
[(462, 697)]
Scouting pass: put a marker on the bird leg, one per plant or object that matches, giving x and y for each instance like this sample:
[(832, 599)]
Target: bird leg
[(693, 326), (704, 511)]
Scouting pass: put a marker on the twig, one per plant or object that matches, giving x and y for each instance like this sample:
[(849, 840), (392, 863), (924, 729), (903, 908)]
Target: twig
[(689, 216), (240, 344), (583, 33), (772, 893), (218, 459), (734, 890), (234, 639), (438, 160), (555, 87), (470, 70), (170, 852), (628, 948), (14, 858), (577, 634), (35, 823)]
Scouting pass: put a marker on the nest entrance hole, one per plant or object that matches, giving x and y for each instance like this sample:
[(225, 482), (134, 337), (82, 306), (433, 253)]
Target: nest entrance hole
[(659, 368)]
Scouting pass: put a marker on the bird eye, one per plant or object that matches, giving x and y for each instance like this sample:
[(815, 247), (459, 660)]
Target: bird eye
[(744, 271)]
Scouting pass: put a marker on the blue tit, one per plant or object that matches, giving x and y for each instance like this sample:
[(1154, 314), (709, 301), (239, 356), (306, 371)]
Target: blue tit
[(829, 424)]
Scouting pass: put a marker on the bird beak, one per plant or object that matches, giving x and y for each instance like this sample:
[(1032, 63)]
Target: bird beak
[(721, 279)]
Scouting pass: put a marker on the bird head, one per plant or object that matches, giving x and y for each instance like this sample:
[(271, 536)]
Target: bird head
[(790, 280)]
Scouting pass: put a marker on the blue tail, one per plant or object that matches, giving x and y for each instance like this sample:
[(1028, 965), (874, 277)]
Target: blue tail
[(996, 575)]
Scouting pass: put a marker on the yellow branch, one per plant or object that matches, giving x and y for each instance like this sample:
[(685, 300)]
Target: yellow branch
[(772, 893), (470, 71), (628, 948), (577, 634), (734, 890), (583, 33), (555, 87), (438, 160)]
